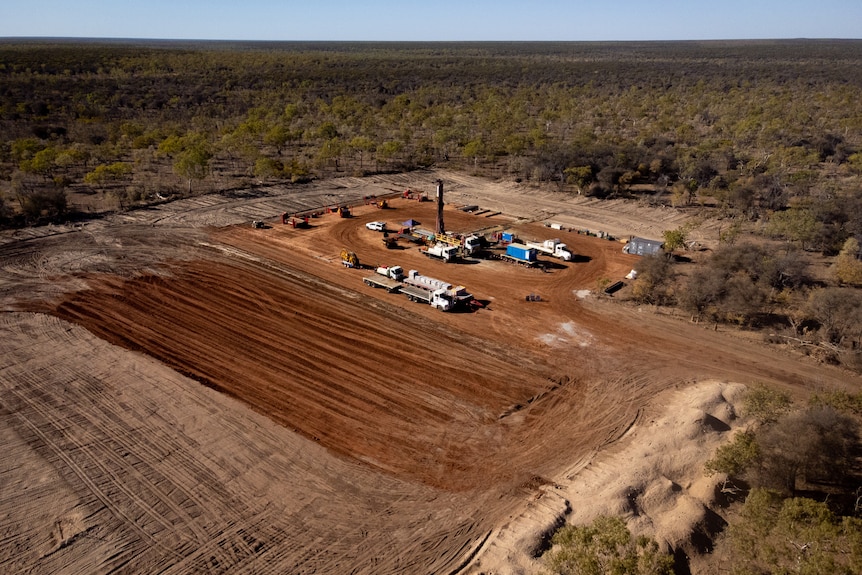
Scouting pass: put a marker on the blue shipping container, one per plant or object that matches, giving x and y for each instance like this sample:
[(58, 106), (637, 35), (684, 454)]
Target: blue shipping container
[(508, 237), (521, 252)]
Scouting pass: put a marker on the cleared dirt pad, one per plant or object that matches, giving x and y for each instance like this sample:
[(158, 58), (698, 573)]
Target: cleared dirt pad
[(124, 466), (187, 393), (307, 356)]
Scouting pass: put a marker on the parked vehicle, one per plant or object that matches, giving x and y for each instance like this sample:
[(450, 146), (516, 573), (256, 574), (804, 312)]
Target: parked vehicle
[(441, 251), (473, 244), (457, 294), (460, 296), (439, 299), (349, 259), (380, 281), (392, 272), (414, 278), (553, 248), (467, 245), (376, 226)]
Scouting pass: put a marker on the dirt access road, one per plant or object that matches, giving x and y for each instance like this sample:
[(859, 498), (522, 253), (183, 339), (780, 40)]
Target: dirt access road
[(184, 393)]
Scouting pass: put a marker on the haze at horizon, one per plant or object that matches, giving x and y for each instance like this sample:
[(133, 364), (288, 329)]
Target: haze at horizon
[(445, 20)]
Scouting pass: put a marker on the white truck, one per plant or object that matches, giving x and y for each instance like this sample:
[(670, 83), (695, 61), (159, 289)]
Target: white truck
[(441, 251), (553, 248), (438, 299), (457, 294), (468, 245), (393, 272), (473, 244)]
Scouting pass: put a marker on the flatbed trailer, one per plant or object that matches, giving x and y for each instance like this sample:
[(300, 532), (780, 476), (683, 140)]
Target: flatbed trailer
[(516, 260), (519, 254), (412, 238), (414, 293), (379, 281)]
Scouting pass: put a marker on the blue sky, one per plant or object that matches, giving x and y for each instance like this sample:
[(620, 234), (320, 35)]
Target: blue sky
[(433, 20)]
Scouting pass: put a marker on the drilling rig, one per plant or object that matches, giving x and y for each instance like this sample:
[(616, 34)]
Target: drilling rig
[(440, 227)]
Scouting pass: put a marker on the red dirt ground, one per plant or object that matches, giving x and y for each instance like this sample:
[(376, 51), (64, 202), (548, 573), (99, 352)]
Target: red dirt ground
[(416, 392), (467, 413)]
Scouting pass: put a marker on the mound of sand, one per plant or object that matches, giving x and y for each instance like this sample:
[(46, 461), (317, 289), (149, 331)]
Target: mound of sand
[(653, 478)]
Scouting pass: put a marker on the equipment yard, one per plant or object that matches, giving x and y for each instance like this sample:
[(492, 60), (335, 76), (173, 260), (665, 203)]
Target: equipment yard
[(184, 392)]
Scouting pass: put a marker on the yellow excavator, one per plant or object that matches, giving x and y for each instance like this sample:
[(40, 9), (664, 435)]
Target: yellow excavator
[(349, 259)]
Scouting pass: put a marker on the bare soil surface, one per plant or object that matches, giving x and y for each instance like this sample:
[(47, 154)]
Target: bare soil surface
[(183, 392)]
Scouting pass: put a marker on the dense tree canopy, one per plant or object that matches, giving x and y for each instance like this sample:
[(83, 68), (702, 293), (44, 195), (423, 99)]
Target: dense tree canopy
[(801, 514), (752, 123)]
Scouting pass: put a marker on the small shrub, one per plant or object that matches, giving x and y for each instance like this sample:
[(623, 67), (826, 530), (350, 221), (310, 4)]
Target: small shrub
[(605, 546)]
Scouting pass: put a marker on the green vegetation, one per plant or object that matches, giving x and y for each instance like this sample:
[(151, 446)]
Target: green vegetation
[(752, 125), (655, 280), (848, 267), (734, 457), (675, 239), (605, 547), (796, 535), (765, 405), (789, 449), (801, 513)]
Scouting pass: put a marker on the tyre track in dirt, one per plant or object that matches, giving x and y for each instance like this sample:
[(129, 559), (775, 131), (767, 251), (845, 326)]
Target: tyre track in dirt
[(160, 508), (332, 375), (196, 476)]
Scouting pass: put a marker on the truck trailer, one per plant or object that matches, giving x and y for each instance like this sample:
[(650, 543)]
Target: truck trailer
[(414, 278), (378, 281), (520, 254)]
